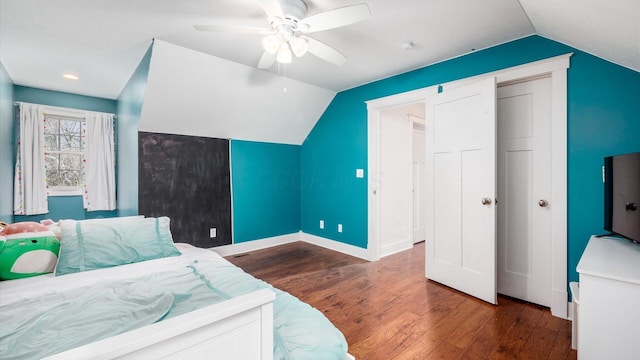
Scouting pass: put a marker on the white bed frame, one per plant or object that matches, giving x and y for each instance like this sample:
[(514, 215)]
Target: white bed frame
[(238, 328)]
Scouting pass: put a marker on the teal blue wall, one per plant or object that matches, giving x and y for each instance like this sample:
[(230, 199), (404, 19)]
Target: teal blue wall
[(63, 99), (266, 189), (330, 155), (7, 130), (603, 119), (64, 207), (129, 111)]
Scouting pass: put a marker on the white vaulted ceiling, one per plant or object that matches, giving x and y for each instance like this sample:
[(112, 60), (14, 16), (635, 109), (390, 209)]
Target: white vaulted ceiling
[(608, 29), (103, 40), (191, 93)]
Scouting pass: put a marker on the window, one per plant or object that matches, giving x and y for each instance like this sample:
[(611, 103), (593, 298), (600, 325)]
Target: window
[(64, 154)]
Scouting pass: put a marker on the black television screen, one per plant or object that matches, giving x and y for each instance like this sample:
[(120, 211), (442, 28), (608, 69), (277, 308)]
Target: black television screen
[(622, 195)]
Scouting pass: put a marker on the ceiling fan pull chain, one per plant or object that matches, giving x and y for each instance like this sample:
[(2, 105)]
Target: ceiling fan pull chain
[(284, 66)]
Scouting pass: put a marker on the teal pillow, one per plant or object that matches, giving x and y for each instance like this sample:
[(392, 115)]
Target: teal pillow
[(89, 244)]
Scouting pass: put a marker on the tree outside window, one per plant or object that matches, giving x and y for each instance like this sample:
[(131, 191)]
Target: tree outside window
[(64, 153)]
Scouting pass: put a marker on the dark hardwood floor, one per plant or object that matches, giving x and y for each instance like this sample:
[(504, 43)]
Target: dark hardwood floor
[(388, 310)]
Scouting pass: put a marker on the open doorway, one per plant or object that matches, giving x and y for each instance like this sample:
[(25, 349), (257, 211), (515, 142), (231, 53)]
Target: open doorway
[(401, 177), (419, 196)]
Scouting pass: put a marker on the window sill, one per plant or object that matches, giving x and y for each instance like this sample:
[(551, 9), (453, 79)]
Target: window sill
[(64, 192)]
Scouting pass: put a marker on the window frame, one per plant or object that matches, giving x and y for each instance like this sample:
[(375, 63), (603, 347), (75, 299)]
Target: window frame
[(67, 190)]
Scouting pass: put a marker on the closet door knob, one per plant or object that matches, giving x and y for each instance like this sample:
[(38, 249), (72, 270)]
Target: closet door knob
[(543, 203), (486, 201)]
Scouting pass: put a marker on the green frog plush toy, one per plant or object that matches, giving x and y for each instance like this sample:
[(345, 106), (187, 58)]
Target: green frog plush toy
[(27, 249)]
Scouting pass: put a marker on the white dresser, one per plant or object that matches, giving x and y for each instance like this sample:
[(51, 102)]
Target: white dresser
[(609, 318)]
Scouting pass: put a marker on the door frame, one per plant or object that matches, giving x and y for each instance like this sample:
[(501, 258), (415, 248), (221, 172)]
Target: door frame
[(556, 68)]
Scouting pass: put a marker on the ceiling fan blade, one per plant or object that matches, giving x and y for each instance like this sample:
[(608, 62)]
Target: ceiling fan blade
[(272, 8), (334, 18), (266, 60), (325, 52), (234, 28)]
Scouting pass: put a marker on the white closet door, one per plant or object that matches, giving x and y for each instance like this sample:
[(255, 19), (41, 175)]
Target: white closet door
[(524, 191), (461, 188)]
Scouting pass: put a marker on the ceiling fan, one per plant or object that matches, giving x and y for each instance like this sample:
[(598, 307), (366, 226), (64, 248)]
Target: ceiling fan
[(288, 24)]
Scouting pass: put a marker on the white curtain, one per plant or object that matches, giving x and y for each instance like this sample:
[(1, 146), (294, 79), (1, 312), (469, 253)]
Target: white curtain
[(99, 167), (30, 184)]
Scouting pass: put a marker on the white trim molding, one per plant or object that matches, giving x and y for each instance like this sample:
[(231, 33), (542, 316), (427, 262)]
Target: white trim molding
[(259, 244), (336, 246), (402, 245), (373, 130), (254, 245)]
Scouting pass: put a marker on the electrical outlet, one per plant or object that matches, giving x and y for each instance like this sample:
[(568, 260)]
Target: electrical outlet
[(339, 228), (321, 224), (213, 233)]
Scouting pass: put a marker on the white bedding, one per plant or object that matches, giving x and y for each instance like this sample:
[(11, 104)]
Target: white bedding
[(16, 290), (72, 312), (300, 331)]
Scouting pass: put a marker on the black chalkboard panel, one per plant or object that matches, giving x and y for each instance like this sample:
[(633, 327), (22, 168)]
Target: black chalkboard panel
[(186, 178)]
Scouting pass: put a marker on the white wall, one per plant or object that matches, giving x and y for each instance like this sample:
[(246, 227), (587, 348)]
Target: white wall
[(192, 93)]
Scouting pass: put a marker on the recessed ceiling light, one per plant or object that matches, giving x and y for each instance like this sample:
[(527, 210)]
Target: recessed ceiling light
[(70, 77)]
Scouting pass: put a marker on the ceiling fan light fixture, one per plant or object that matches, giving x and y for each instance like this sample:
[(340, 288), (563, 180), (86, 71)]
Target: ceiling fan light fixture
[(299, 46), (287, 21), (272, 43), (284, 54)]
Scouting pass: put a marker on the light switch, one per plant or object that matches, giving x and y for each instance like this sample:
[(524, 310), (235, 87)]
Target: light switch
[(339, 228), (359, 173), (321, 224), (213, 233)]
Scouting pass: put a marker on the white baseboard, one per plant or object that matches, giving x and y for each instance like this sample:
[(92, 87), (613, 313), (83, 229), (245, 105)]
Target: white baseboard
[(559, 306), (570, 307), (336, 246), (253, 245), (391, 249)]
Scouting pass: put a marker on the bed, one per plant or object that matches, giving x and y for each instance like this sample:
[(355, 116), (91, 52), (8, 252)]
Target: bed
[(193, 304)]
